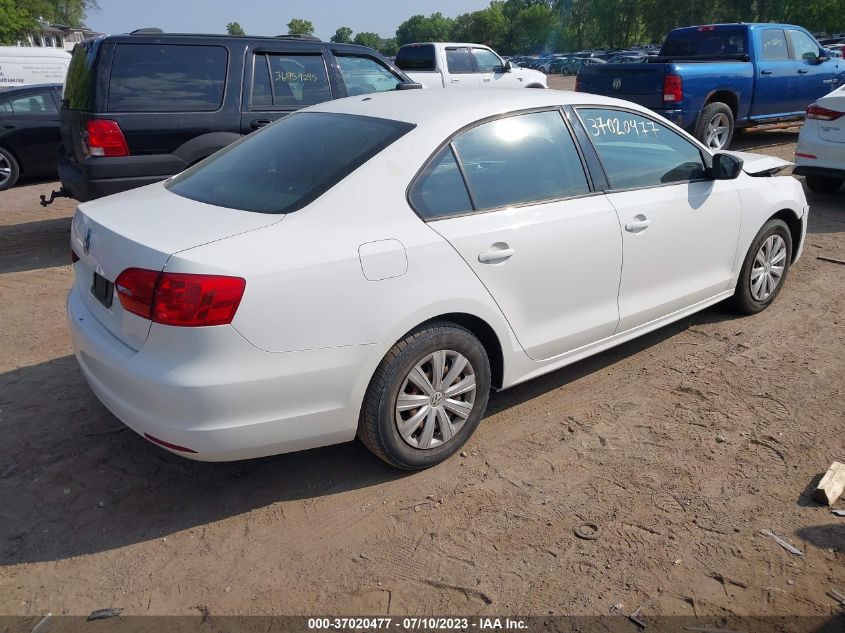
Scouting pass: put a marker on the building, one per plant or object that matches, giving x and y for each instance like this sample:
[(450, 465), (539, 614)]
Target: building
[(58, 36)]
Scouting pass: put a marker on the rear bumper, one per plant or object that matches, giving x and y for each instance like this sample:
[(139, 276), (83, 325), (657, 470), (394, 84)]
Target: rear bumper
[(682, 118), (98, 177), (822, 172), (220, 396)]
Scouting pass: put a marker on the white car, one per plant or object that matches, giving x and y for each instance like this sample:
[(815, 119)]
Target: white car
[(457, 65), (375, 265), (820, 155)]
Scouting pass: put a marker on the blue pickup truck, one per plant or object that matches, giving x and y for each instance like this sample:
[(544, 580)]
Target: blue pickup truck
[(712, 80)]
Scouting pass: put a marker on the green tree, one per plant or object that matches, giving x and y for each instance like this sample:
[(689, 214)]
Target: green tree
[(488, 26), (389, 47), (69, 12), (298, 26), (532, 28), (15, 21), (418, 28), (234, 28), (343, 35), (373, 40)]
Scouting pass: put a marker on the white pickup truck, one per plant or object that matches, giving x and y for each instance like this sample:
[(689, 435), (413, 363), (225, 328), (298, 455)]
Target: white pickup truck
[(451, 65)]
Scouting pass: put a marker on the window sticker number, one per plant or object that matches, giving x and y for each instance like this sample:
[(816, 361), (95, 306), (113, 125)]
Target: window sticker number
[(615, 126), (291, 77)]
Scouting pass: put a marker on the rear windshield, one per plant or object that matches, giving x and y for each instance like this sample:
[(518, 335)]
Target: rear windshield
[(167, 78), (288, 164), (704, 43), (416, 57)]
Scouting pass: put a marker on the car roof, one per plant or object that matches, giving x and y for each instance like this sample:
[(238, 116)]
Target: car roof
[(243, 40), (10, 90), (454, 109)]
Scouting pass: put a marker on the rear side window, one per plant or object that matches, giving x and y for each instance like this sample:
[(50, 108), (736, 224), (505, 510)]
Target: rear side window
[(774, 45), (637, 151), (363, 75), (76, 93), (33, 104), (288, 164), (416, 57), (459, 61), (167, 78), (521, 159), (5, 108), (440, 189), (296, 81)]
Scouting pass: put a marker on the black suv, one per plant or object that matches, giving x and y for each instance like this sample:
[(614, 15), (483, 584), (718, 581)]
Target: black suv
[(141, 107)]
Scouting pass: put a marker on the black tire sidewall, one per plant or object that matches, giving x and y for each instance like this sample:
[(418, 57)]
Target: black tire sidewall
[(822, 184), (13, 163), (459, 340), (743, 297)]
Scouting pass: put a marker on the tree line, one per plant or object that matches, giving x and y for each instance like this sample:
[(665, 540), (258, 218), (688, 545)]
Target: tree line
[(18, 18), (534, 26)]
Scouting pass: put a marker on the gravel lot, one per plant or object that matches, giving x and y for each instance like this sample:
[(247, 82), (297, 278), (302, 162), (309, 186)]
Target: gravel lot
[(680, 446)]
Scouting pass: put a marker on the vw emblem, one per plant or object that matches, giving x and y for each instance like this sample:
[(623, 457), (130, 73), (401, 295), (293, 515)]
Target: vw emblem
[(86, 242), (617, 84), (437, 399)]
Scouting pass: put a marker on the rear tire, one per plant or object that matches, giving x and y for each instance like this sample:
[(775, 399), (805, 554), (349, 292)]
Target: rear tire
[(767, 261), (715, 126), (413, 427), (821, 184), (9, 170), (566, 72)]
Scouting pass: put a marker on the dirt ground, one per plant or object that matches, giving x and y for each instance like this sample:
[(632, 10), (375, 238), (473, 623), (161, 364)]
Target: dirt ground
[(680, 447)]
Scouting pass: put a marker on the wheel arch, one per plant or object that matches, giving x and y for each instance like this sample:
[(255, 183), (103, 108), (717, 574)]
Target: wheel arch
[(486, 335), (14, 154), (728, 97), (535, 85), (793, 221)]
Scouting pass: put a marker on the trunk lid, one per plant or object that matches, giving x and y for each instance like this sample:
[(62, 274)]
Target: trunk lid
[(833, 130), (640, 83), (142, 228)]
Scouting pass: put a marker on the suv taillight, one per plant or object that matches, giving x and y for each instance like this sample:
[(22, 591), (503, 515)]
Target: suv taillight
[(105, 138), (181, 299), (823, 114), (673, 89)]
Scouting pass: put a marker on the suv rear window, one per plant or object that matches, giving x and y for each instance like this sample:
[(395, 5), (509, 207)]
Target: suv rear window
[(288, 164), (416, 57), (705, 43), (167, 78)]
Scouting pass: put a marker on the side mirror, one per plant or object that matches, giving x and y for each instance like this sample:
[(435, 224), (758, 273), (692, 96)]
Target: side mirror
[(409, 85), (508, 67), (824, 56), (725, 167)]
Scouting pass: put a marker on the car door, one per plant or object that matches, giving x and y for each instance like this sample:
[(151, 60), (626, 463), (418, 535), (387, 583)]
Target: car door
[(33, 131), (814, 79), (775, 83), (546, 247), (278, 81), (679, 227), (492, 69), (460, 68)]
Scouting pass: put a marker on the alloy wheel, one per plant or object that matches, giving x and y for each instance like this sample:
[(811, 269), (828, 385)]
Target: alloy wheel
[(718, 131), (767, 271), (5, 170), (435, 400)]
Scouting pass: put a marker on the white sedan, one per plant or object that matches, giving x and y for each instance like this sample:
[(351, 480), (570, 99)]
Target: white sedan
[(375, 265), (820, 155)]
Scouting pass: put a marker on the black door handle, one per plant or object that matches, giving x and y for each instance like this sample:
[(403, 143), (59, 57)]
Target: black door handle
[(765, 72), (259, 123), (9, 127), (802, 71)]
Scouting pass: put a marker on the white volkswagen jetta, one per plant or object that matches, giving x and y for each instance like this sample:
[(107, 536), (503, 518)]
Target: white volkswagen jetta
[(375, 265)]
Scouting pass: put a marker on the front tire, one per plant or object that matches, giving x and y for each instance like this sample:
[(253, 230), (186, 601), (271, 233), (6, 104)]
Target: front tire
[(9, 169), (764, 269), (715, 126), (426, 397), (821, 184)]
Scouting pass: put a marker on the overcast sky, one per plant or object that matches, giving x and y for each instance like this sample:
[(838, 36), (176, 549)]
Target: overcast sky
[(268, 17)]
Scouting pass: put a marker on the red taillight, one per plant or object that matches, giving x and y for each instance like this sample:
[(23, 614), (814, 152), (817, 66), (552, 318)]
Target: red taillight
[(810, 156), (823, 114), (105, 138), (673, 89), (181, 299)]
